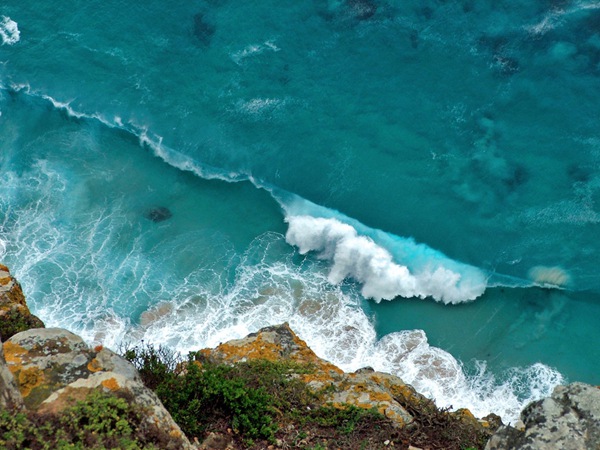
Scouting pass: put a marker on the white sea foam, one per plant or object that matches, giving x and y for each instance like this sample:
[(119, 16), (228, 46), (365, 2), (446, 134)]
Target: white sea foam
[(336, 328), (252, 50), (9, 31), (358, 257), (146, 138), (259, 107)]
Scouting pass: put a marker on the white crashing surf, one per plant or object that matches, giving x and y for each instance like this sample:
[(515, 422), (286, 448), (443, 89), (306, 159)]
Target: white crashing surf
[(9, 31), (414, 271), (335, 326)]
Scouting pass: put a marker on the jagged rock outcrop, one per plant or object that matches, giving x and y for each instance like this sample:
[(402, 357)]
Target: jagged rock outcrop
[(364, 388), (54, 369), (14, 313), (567, 420)]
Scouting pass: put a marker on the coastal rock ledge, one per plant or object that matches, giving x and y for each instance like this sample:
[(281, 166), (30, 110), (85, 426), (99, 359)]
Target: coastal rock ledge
[(48, 370)]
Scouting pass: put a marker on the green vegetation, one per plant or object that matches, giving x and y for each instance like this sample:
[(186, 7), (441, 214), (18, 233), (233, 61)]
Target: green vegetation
[(101, 421), (13, 322), (259, 402)]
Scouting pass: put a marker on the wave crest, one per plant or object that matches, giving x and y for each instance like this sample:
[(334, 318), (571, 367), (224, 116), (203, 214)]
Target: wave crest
[(360, 258)]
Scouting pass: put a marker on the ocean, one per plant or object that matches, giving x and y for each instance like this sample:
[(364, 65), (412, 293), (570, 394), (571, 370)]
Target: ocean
[(414, 186)]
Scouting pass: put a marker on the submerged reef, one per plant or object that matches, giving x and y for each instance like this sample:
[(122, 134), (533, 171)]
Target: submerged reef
[(268, 390)]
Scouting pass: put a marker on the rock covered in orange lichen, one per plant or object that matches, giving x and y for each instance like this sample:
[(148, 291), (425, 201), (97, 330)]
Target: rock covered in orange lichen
[(364, 389), (276, 343), (53, 369)]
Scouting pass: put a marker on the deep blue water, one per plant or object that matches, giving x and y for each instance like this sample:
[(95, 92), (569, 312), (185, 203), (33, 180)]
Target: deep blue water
[(413, 186)]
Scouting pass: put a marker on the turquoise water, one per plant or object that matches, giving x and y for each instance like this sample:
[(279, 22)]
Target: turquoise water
[(412, 186)]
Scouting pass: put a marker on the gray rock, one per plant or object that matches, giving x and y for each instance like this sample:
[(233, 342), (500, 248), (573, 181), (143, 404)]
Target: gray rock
[(54, 368), (568, 420), (10, 397)]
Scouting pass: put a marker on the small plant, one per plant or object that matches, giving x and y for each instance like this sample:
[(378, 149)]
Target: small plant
[(345, 419), (154, 364), (13, 322)]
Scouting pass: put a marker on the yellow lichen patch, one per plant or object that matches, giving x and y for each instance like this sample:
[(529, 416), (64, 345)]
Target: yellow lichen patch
[(324, 365), (256, 349), (111, 384), (404, 391), (29, 379), (13, 353), (176, 434), (380, 397), (360, 387), (5, 280), (94, 366), (464, 412), (376, 379), (318, 376)]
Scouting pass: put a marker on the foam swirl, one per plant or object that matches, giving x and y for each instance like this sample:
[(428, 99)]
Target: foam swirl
[(9, 31)]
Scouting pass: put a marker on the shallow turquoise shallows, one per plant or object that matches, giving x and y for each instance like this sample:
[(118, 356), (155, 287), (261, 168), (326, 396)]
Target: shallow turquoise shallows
[(413, 186)]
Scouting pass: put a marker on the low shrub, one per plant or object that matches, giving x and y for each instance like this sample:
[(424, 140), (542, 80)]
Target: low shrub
[(101, 421)]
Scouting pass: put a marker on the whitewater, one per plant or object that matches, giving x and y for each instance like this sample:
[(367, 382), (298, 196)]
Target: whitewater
[(412, 187)]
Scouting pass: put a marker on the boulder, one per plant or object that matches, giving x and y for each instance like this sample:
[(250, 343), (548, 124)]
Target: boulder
[(54, 369), (14, 313), (569, 420)]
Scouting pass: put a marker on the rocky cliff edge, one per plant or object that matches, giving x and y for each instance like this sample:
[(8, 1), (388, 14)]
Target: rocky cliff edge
[(50, 370)]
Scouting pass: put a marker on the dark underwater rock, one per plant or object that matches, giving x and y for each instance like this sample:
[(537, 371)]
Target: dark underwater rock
[(203, 30), (158, 214)]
